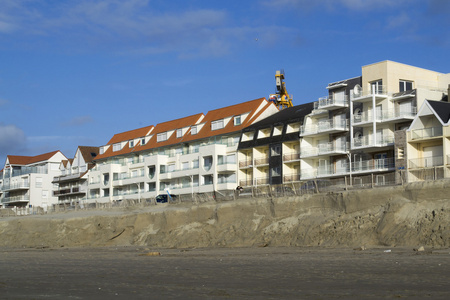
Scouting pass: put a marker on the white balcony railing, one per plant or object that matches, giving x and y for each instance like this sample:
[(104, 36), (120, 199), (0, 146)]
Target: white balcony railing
[(367, 141), (371, 165), (426, 162), (426, 133), (374, 91), (325, 102), (324, 126), (322, 149)]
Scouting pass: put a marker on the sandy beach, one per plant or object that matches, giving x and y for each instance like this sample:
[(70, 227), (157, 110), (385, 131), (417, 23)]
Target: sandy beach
[(224, 273)]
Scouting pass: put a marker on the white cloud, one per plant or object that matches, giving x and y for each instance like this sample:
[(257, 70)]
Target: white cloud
[(123, 26), (333, 4), (12, 139)]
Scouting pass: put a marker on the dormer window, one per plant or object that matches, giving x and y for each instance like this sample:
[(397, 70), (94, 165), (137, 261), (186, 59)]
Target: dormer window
[(161, 137), (194, 130), (215, 125), (116, 147), (237, 120), (142, 141), (131, 143), (179, 133)]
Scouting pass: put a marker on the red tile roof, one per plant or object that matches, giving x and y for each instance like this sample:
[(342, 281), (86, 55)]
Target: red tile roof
[(26, 160), (255, 108)]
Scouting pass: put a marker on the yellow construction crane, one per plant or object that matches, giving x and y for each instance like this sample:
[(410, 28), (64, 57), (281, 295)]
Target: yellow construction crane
[(281, 98)]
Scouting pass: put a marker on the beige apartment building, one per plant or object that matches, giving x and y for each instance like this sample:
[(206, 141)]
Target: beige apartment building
[(351, 132)]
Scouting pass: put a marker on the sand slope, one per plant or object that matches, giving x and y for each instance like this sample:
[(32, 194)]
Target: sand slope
[(413, 215)]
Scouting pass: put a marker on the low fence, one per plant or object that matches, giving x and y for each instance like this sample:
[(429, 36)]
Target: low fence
[(282, 190)]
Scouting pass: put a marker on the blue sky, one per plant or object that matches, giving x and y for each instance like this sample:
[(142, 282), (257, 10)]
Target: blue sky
[(77, 72)]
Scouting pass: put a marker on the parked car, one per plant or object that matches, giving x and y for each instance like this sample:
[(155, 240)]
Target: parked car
[(164, 198)]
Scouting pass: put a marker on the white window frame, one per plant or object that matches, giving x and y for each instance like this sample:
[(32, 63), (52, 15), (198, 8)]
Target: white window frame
[(179, 133), (117, 147), (237, 120), (161, 137), (216, 125), (194, 129)]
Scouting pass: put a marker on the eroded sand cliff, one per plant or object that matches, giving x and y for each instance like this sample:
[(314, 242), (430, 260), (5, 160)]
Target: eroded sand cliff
[(417, 214)]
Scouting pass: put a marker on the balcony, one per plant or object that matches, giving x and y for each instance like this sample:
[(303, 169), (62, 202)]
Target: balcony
[(16, 186), (363, 118), (378, 93), (389, 116), (16, 199), (264, 161), (329, 126), (426, 162), (426, 133), (404, 95), (294, 156), (363, 166), (70, 191), (245, 163), (325, 149), (373, 165), (291, 178), (328, 103), (368, 142)]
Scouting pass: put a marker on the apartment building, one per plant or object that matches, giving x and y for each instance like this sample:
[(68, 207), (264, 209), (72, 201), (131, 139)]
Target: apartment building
[(426, 153), (351, 132), (71, 185), (27, 180), (269, 150), (324, 137), (195, 154)]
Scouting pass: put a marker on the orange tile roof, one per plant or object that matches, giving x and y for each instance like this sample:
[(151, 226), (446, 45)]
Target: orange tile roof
[(26, 160), (88, 153), (250, 107), (129, 135)]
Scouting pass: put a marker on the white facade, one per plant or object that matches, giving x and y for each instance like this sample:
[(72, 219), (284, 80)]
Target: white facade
[(30, 184)]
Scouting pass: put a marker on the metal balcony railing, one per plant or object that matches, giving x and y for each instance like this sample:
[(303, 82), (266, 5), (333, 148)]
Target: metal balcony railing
[(324, 126), (325, 102), (426, 162), (426, 133)]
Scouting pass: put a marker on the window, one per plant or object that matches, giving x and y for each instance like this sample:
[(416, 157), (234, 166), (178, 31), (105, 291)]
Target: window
[(207, 162), (275, 150), (194, 130), (116, 147), (179, 133), (185, 165), (142, 141), (208, 179), (161, 137), (102, 150), (38, 182), (377, 86), (215, 125), (237, 120), (231, 159), (195, 164), (151, 171), (405, 85)]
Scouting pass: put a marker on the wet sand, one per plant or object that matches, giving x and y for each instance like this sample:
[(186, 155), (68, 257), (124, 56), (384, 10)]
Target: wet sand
[(224, 273)]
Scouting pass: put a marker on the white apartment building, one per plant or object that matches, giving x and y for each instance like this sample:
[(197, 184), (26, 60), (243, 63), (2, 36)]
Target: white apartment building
[(71, 185), (195, 154), (27, 180)]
